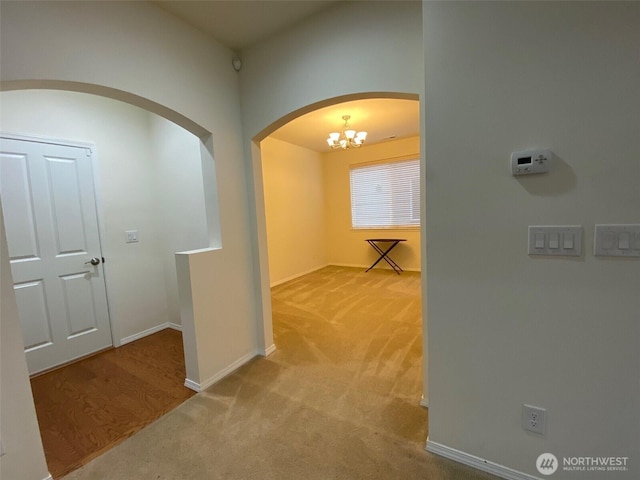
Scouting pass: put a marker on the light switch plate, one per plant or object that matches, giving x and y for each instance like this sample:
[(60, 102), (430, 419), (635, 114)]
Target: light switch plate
[(132, 236), (555, 240), (617, 240)]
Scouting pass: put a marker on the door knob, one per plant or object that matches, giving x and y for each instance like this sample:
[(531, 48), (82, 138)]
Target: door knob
[(93, 261)]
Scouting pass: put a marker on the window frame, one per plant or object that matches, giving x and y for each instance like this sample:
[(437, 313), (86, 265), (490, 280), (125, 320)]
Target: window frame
[(413, 204)]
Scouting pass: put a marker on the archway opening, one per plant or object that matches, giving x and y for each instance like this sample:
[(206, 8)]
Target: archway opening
[(171, 204), (268, 278)]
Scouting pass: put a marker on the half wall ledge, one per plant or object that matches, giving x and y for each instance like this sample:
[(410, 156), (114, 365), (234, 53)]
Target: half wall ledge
[(218, 329)]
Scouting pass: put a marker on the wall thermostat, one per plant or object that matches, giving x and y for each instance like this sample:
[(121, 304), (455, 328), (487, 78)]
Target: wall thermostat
[(530, 161)]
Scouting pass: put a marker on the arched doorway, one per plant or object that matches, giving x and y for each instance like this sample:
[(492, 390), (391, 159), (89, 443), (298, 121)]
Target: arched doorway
[(117, 123), (265, 329)]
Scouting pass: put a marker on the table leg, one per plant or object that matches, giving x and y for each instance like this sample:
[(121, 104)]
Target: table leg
[(384, 255)]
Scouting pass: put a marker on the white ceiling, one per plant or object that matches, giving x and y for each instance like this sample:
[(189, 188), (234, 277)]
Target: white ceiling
[(382, 118), (241, 23)]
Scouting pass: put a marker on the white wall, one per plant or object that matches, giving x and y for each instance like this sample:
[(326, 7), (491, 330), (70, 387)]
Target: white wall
[(180, 208), (331, 55), (150, 180), (138, 51), (346, 246), (19, 432), (327, 56), (294, 201), (505, 328)]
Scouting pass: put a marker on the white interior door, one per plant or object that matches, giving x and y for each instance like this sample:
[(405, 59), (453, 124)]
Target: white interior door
[(48, 199)]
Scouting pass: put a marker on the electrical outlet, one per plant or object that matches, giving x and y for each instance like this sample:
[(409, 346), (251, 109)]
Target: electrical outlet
[(534, 419)]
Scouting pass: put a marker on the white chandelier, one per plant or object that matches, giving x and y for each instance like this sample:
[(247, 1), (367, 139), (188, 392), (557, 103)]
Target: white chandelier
[(348, 138)]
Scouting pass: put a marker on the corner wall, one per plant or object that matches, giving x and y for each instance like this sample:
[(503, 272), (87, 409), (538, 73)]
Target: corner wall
[(295, 209), (506, 328), (180, 200), (308, 209)]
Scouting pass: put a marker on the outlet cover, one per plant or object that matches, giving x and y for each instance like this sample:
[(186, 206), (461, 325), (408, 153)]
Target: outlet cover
[(534, 419)]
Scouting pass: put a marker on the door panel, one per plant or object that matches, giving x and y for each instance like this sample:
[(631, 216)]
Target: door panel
[(79, 303), (65, 200), (32, 305), (22, 238), (52, 232)]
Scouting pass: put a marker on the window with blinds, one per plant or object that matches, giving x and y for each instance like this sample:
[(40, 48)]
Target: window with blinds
[(385, 195)]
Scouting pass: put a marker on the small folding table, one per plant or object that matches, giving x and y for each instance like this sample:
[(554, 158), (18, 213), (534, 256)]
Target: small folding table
[(384, 254)]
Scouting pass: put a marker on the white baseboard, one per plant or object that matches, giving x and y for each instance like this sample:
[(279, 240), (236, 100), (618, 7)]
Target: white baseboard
[(199, 387), (174, 326), (150, 331), (267, 351), (297, 275), (192, 385), (379, 266), (477, 462), (363, 267), (352, 265), (424, 402)]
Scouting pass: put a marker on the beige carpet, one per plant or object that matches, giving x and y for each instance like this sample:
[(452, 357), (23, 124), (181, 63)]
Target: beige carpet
[(339, 399)]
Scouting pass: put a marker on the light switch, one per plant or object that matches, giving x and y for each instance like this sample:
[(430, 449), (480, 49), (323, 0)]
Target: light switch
[(607, 240), (567, 240), (617, 240), (132, 236), (623, 240), (561, 240)]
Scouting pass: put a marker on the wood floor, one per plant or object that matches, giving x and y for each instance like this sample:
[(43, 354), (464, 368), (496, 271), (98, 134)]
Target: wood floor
[(90, 406)]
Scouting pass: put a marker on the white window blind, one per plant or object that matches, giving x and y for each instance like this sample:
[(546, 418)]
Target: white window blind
[(385, 195)]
